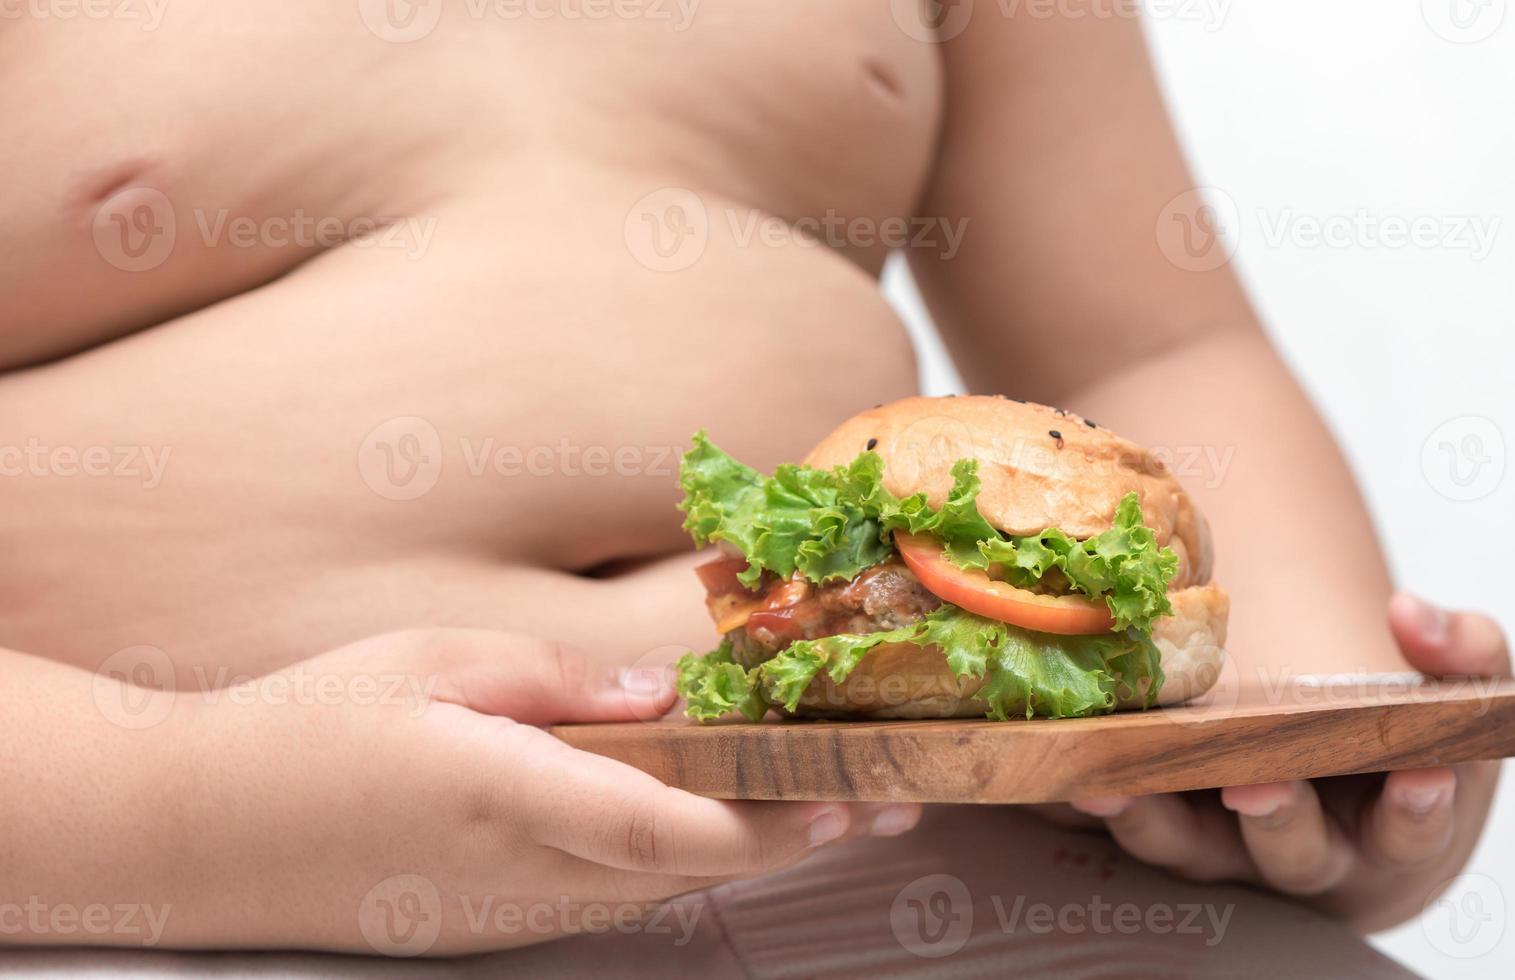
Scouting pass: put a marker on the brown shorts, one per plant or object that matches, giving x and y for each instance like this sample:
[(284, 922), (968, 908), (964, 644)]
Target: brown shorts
[(972, 892), (986, 891)]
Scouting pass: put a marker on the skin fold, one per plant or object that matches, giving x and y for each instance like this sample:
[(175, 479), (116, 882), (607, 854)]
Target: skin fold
[(533, 318)]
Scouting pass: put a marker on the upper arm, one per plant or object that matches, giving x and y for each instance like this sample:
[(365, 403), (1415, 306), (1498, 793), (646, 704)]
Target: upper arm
[(1057, 150)]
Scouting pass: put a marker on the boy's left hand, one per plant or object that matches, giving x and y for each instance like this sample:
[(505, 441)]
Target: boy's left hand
[(1369, 849)]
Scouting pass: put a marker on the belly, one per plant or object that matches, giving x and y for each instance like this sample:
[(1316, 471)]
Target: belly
[(460, 418)]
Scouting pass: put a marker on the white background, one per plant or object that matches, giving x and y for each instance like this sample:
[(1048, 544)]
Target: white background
[(1356, 115)]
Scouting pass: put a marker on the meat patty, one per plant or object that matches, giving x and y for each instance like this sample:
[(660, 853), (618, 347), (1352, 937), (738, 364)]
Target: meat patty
[(884, 597)]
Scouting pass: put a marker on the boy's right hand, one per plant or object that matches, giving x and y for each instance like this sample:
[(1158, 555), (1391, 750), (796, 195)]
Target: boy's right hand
[(370, 819)]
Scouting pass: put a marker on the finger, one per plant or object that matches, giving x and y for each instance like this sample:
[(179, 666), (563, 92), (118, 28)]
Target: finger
[(1295, 847), (541, 682), (613, 886), (1175, 833), (884, 819), (1411, 823), (1448, 644), (607, 812), (1066, 815)]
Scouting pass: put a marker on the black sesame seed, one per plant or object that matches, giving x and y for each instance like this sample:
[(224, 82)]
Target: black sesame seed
[(872, 443), (1091, 423), (1054, 434), (1019, 401)]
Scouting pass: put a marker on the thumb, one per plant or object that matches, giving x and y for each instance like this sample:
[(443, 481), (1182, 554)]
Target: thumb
[(541, 682), (1447, 644)]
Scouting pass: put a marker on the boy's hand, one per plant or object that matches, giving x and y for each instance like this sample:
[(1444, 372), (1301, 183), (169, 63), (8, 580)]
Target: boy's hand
[(451, 824), (1371, 849)]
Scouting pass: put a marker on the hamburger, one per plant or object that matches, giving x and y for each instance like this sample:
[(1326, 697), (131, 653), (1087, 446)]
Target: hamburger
[(951, 557)]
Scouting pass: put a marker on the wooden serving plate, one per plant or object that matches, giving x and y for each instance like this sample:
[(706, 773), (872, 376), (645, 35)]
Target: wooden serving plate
[(1307, 728)]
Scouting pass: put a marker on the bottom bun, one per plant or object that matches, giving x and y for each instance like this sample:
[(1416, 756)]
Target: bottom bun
[(1192, 642), (904, 681)]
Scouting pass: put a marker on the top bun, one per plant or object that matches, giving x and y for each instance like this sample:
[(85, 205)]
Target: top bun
[(1040, 467)]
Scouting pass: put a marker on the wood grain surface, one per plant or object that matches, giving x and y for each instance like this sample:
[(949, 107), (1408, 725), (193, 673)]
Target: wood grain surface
[(1305, 729)]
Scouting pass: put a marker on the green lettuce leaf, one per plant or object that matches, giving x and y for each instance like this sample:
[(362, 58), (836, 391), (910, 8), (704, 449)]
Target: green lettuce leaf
[(1028, 674), (832, 524), (786, 676), (715, 685), (1039, 674), (958, 523), (822, 523), (1123, 565)]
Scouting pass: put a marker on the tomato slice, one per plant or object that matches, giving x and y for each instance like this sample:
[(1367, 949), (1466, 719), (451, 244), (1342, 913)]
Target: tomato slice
[(731, 603), (976, 592), (728, 600), (719, 577)]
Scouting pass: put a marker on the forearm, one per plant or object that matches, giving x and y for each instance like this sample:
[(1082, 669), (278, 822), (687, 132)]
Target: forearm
[(82, 842), (137, 817), (1294, 543)]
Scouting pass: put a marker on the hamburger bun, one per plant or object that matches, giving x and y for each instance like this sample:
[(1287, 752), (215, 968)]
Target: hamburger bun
[(1040, 467), (1032, 479)]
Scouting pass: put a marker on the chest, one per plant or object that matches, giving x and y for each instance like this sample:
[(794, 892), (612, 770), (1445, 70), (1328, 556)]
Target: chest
[(821, 113), (808, 109)]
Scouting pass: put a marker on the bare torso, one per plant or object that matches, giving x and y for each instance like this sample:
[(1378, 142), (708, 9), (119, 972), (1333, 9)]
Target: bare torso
[(518, 310), (236, 428)]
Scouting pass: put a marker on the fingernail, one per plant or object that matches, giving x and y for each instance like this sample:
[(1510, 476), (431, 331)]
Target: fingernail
[(647, 682), (1262, 800), (895, 820), (1430, 619), (827, 827), (1421, 801), (1103, 806), (1259, 808)]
